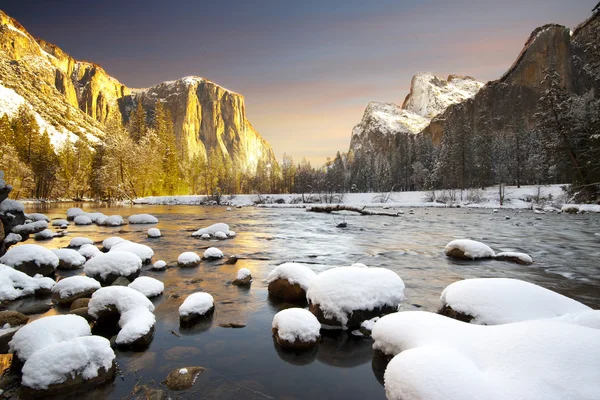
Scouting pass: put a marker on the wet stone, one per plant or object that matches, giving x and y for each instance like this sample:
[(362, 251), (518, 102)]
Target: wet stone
[(33, 309), (183, 378), (13, 318)]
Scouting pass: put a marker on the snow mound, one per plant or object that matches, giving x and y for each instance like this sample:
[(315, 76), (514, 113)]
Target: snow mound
[(108, 243), (58, 362), (143, 219), (213, 252), (60, 222), (141, 250), (114, 262), (89, 251), (15, 284), (113, 220), (136, 317), (37, 217), (212, 230), (47, 331), (160, 265), (441, 358), (297, 324), (493, 301), (154, 233), (74, 212), (243, 273), (470, 249), (72, 285), (29, 228), (11, 206), (520, 258), (13, 238), (294, 273), (44, 235), (27, 253), (69, 258), (220, 235), (188, 258), (147, 286), (339, 292), (82, 220), (196, 304), (80, 241)]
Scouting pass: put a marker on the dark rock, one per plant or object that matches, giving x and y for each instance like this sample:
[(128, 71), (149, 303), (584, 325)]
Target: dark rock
[(33, 309), (81, 302), (178, 381), (243, 282), (509, 258), (66, 301), (231, 260), (13, 318), (140, 344), (82, 312), (295, 345), (31, 268), (355, 318), (192, 318), (291, 292), (447, 311), (110, 278), (4, 340), (235, 325), (146, 393)]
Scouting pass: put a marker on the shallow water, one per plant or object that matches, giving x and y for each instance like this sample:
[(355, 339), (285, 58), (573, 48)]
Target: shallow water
[(245, 363)]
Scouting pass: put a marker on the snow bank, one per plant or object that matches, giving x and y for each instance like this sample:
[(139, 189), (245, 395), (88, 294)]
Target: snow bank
[(441, 358), (145, 253), (294, 273), (82, 220), (213, 252), (80, 241), (154, 233), (136, 317), (69, 258), (47, 331), (469, 249), (108, 243), (55, 364), (212, 230), (89, 251), (196, 304), (114, 262), (147, 286), (73, 285), (27, 253), (492, 301), (339, 292), (15, 284), (297, 324), (143, 219)]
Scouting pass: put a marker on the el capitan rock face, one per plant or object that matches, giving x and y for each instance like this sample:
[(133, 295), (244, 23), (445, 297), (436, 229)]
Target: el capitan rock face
[(76, 98)]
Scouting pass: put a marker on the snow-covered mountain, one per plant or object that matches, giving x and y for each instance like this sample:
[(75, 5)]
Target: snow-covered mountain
[(73, 99)]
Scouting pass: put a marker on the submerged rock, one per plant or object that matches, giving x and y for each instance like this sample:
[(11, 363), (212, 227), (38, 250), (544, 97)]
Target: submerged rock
[(183, 378)]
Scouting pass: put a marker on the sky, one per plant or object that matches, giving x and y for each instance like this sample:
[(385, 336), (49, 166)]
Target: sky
[(307, 69)]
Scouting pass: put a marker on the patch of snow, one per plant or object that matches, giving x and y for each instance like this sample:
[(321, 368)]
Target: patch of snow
[(117, 262), (82, 220), (37, 217), (368, 324), (13, 238), (526, 258), (70, 257), (160, 264), (154, 233), (60, 222), (196, 303), (297, 324), (72, 285), (141, 250), (147, 286), (188, 257), (294, 273), (220, 235), (470, 248), (27, 253), (108, 243), (212, 230), (80, 241), (113, 220), (29, 228), (11, 206), (142, 219), (44, 235), (74, 212), (89, 251), (183, 371), (213, 252), (243, 273), (15, 284)]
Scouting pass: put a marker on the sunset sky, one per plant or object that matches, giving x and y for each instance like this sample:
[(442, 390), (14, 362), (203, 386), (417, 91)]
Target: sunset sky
[(307, 69)]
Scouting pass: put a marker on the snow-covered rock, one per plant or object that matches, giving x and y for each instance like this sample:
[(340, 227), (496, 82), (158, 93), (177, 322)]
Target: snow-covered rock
[(60, 222), (11, 206), (47, 331), (95, 217), (12, 238), (467, 249), (143, 219), (69, 258), (211, 230), (188, 259), (147, 286), (296, 328), (212, 253), (220, 235), (289, 281), (388, 119), (440, 358), (29, 228), (570, 208), (145, 253), (160, 265), (37, 217), (113, 220), (74, 212), (196, 305), (519, 258), (46, 234), (154, 233), (108, 243), (107, 267), (55, 368), (346, 296), (231, 234), (243, 277), (82, 220), (15, 284), (80, 241), (31, 259), (493, 301), (89, 251), (135, 310), (72, 288)]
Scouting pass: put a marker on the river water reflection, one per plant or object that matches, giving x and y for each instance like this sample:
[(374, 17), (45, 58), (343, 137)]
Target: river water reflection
[(246, 363)]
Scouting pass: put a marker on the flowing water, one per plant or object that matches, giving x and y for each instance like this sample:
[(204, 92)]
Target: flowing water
[(246, 363)]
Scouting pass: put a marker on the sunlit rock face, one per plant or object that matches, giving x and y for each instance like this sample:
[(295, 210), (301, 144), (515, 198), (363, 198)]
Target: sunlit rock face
[(76, 98)]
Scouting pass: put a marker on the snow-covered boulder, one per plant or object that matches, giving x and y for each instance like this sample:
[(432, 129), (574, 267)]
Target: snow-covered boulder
[(440, 358), (79, 241), (46, 234), (289, 282), (136, 319), (16, 284), (107, 267), (30, 228), (95, 217), (108, 243), (570, 208), (89, 251), (145, 253), (204, 236), (212, 253), (296, 328), (69, 258), (143, 219), (188, 259), (243, 277), (45, 332), (466, 249), (11, 206), (74, 212), (212, 230), (67, 290), (195, 306), (160, 265), (12, 238), (65, 366), (493, 301), (83, 220), (519, 258), (346, 296), (220, 235), (113, 220), (61, 223), (147, 286), (231, 234), (37, 217), (31, 259), (153, 233)]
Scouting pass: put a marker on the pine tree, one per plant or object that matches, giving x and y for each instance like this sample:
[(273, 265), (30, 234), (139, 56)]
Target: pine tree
[(137, 123)]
